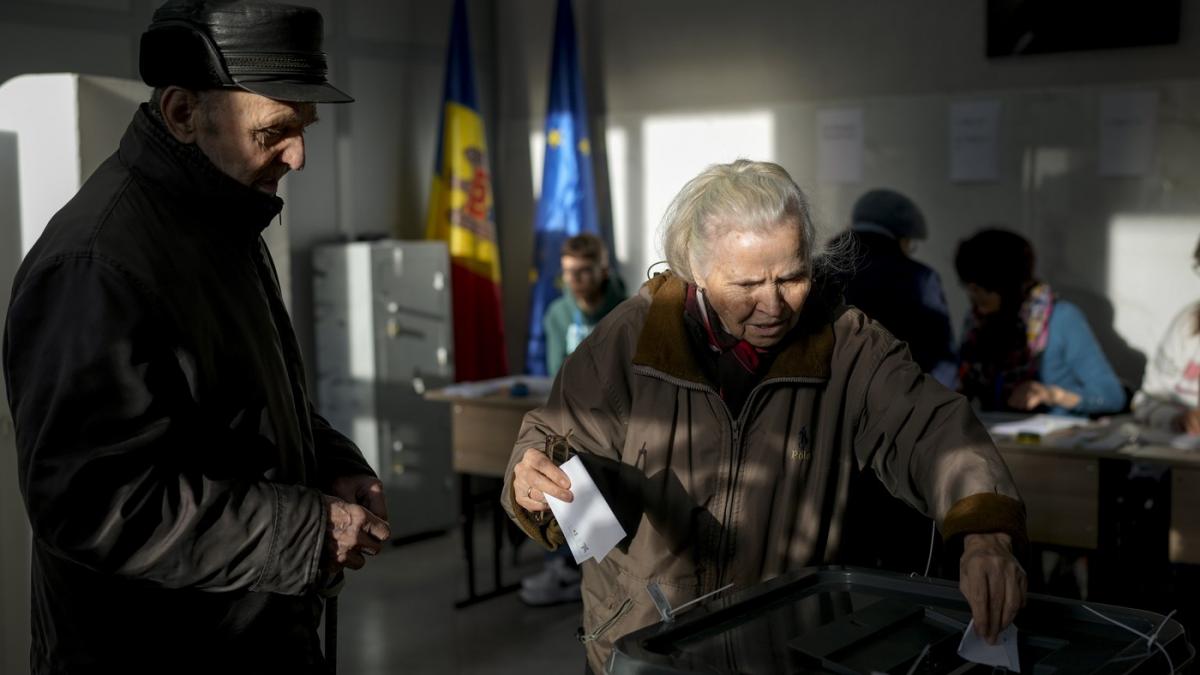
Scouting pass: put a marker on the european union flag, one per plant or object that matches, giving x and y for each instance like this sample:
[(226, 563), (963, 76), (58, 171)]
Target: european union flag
[(567, 206)]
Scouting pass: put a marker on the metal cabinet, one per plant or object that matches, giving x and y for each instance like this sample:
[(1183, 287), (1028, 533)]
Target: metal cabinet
[(384, 334)]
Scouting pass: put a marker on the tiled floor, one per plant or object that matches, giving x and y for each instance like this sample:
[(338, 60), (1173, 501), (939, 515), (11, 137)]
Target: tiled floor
[(397, 615)]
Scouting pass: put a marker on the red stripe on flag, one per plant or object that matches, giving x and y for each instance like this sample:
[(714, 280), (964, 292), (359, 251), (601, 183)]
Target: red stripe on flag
[(479, 351)]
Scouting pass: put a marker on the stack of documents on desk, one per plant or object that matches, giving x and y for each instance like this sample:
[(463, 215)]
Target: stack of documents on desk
[(538, 387), (1042, 425), (1171, 439)]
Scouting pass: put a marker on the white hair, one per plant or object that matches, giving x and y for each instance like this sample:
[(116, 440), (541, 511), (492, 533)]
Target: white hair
[(743, 196)]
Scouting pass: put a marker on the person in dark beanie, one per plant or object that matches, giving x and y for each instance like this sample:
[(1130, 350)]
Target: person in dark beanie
[(188, 505), (906, 297), (890, 287)]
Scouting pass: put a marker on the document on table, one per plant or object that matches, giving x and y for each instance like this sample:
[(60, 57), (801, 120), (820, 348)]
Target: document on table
[(1004, 653), (1178, 441), (1039, 424), (588, 522), (537, 386)]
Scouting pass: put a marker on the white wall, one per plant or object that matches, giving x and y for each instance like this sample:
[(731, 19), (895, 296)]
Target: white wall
[(726, 66), (370, 162), (14, 528)]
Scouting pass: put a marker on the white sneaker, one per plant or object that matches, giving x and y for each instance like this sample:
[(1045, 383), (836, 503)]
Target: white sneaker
[(557, 582)]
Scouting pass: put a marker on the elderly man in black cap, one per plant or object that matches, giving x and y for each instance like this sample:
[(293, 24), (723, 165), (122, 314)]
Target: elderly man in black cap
[(188, 505)]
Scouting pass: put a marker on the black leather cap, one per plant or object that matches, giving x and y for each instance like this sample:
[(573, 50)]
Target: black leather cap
[(263, 47)]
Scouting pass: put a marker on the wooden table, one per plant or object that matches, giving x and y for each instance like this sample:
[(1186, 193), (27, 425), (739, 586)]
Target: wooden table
[(483, 431), (1061, 488)]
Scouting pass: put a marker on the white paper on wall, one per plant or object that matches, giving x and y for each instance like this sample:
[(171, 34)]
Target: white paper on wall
[(840, 145), (1127, 130), (974, 127)]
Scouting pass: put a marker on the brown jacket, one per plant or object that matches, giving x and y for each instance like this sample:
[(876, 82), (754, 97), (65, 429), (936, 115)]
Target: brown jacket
[(708, 500)]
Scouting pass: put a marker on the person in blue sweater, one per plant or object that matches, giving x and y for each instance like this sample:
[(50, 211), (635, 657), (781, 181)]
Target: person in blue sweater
[(1023, 348)]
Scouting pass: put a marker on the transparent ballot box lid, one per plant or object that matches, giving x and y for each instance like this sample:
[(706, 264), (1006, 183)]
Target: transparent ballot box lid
[(848, 621)]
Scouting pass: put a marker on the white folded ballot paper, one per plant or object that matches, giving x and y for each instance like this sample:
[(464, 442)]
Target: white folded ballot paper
[(587, 522), (1003, 654)]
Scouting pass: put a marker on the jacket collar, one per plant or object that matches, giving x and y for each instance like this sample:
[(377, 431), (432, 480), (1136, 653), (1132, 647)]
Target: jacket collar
[(225, 207), (663, 342)]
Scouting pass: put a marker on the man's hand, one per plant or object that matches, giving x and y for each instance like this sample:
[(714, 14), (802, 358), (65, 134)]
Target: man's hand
[(366, 491), (351, 532), (992, 581), (534, 477)]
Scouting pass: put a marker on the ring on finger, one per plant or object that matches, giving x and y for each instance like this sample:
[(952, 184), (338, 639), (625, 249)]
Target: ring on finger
[(529, 493)]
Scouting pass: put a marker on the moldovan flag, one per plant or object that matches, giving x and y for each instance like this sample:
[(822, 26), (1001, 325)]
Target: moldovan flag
[(461, 213)]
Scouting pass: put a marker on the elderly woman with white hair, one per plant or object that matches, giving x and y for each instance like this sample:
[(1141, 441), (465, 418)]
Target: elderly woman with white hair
[(724, 408)]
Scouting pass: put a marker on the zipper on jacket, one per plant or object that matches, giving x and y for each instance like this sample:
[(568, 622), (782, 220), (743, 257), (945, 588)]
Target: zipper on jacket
[(725, 538), (735, 437), (608, 623), (726, 550)]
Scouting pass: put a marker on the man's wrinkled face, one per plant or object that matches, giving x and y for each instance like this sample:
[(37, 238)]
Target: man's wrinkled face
[(253, 139)]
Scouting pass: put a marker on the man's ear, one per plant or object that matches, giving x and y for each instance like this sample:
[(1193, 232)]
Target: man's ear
[(180, 110)]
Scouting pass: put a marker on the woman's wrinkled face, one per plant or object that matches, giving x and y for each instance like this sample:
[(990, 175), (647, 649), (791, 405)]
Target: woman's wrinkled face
[(757, 282)]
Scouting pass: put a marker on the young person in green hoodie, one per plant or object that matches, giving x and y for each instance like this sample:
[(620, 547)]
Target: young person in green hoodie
[(589, 293)]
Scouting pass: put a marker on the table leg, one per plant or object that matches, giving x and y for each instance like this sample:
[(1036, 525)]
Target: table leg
[(468, 530)]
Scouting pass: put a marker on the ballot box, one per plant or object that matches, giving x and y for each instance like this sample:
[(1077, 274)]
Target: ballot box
[(848, 621)]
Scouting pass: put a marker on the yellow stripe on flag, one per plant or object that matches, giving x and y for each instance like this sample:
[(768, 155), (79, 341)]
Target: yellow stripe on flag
[(460, 206)]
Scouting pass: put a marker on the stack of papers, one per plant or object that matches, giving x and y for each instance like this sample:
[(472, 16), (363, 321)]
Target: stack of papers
[(539, 387), (587, 522), (1041, 425)]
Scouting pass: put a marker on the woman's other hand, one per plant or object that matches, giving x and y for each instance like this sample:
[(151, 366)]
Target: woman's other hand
[(534, 477)]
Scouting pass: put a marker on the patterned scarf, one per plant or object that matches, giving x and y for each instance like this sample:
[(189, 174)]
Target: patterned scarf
[(1002, 352), (735, 365)]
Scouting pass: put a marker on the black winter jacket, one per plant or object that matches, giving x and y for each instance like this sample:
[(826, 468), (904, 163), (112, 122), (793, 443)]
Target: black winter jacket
[(907, 298), (169, 457)]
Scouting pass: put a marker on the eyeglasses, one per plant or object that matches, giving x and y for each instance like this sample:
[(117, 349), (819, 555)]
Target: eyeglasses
[(579, 272)]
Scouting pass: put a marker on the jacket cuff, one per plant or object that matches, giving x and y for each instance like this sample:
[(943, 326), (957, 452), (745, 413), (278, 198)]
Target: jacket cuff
[(548, 533), (987, 513), (297, 537), (338, 461)]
